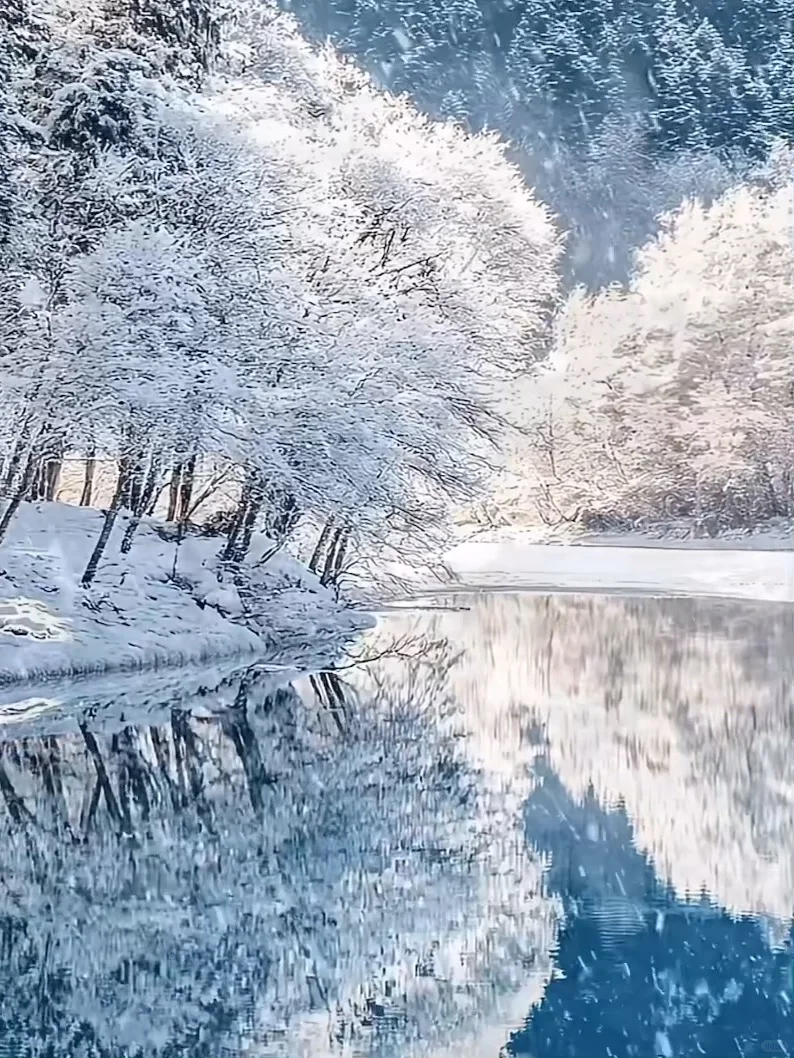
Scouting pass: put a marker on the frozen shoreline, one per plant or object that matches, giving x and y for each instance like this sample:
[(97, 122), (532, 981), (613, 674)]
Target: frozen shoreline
[(748, 566), (57, 706), (136, 616), (777, 535)]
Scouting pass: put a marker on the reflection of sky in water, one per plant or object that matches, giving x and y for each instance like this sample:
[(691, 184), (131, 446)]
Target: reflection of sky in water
[(482, 840)]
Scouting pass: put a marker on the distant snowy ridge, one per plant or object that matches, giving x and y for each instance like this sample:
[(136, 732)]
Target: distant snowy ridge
[(144, 611)]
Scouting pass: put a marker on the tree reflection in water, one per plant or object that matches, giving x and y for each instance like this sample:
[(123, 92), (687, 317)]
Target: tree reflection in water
[(376, 861), (640, 971), (300, 873)]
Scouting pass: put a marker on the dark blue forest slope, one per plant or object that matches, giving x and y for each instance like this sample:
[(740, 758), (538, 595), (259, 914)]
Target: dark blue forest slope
[(565, 79)]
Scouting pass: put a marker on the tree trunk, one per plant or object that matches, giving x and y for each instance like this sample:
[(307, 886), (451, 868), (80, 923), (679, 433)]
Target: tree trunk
[(15, 460), (173, 493), (336, 557), (123, 475), (38, 483), (187, 482), (102, 775), (335, 698), (163, 758), (148, 510), (53, 476), (236, 726), (17, 809), (250, 505), (190, 766), (247, 528), (283, 516), (89, 809), (148, 494), (18, 496), (44, 482), (138, 771), (328, 567), (123, 800), (88, 480), (111, 514), (129, 534), (317, 554), (180, 490), (50, 764), (136, 477)]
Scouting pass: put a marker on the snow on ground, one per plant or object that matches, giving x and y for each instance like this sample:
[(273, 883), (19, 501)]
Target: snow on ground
[(623, 567), (774, 535), (136, 614)]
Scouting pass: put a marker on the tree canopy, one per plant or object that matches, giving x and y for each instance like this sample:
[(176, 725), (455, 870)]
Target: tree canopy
[(290, 271)]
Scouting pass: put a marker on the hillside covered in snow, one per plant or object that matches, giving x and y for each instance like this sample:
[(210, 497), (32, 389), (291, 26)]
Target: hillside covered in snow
[(168, 601)]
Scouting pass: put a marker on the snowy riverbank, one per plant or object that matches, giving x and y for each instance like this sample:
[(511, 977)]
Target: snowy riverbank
[(773, 536), (752, 566), (57, 706), (137, 614)]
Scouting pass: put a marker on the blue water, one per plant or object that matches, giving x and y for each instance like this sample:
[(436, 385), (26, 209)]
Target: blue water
[(341, 867), (654, 976)]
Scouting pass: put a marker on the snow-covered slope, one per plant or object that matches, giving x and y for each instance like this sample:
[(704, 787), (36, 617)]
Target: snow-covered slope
[(137, 614)]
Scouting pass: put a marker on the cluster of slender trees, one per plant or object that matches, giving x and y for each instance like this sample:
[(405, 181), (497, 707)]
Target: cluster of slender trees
[(223, 249), (671, 398)]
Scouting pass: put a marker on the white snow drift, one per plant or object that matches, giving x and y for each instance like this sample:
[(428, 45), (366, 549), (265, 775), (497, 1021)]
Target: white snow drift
[(149, 608)]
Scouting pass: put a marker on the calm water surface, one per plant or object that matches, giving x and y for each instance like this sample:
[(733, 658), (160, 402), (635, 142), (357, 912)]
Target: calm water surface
[(520, 826)]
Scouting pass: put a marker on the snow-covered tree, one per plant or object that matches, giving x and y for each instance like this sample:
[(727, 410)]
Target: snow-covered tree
[(427, 255), (182, 37), (716, 286), (292, 275), (673, 397), (655, 95)]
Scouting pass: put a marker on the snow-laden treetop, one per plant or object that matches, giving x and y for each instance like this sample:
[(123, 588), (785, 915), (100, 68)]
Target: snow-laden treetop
[(288, 269)]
